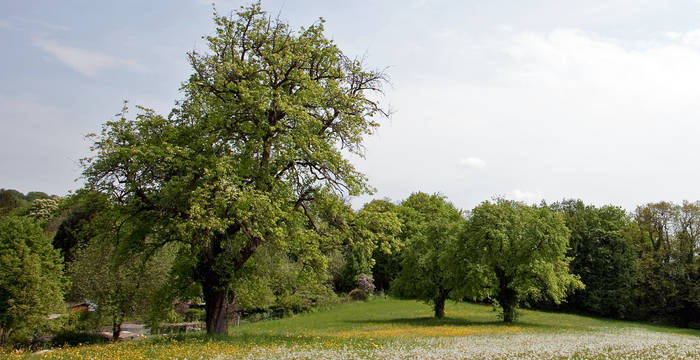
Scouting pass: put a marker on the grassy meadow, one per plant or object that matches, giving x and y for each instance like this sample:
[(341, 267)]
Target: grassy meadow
[(400, 329)]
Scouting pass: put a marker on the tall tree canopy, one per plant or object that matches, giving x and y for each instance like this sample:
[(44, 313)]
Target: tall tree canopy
[(669, 267), (604, 255), (430, 228), (266, 120), (520, 253)]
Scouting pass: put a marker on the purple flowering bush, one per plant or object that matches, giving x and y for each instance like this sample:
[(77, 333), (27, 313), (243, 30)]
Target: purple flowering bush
[(365, 288), (366, 284)]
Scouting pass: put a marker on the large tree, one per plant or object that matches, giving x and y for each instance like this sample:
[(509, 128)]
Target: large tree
[(669, 271), (519, 251), (267, 118), (604, 255), (430, 228)]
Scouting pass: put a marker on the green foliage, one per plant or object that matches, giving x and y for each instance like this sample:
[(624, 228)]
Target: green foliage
[(31, 278), (115, 267), (36, 195), (517, 253), (669, 273), (120, 285), (48, 213), (387, 259), (358, 295), (195, 315), (261, 133), (357, 236), (429, 232), (604, 256), (8, 201), (13, 201), (77, 228), (272, 279), (75, 338)]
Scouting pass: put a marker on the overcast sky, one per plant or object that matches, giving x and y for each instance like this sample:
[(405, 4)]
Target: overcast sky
[(531, 100)]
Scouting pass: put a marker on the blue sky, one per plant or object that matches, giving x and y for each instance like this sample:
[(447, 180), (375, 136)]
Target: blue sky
[(530, 100)]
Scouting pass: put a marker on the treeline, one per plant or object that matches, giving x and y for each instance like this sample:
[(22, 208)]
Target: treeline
[(642, 266), (567, 256)]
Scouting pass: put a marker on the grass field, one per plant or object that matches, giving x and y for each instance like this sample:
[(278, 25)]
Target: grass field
[(400, 329)]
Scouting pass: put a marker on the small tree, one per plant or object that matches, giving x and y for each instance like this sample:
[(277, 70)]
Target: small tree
[(120, 285), (430, 227), (113, 267), (517, 252), (31, 277)]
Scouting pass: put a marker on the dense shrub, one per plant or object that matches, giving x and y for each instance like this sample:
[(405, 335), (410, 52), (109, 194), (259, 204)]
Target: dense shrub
[(73, 338), (358, 294), (31, 279), (193, 314)]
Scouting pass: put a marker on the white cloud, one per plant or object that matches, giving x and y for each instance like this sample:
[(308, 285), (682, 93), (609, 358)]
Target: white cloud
[(86, 62), (472, 162), (527, 196), (569, 111)]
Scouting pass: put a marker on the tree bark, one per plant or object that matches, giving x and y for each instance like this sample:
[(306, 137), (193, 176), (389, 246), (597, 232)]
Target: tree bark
[(508, 307), (507, 297), (213, 285), (215, 307), (116, 327), (440, 306), (213, 289)]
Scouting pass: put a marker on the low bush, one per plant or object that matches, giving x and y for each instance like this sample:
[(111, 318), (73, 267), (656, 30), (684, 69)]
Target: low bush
[(74, 338), (193, 314), (359, 295)]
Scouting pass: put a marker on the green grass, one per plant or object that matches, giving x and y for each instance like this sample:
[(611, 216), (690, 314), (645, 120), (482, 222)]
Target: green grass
[(388, 313), (365, 327)]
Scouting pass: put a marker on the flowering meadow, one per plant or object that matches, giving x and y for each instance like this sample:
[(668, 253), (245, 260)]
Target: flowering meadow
[(401, 329)]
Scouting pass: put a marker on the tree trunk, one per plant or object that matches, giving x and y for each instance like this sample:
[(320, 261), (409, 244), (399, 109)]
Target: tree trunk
[(213, 284), (507, 297), (215, 300), (116, 327), (440, 306), (508, 311)]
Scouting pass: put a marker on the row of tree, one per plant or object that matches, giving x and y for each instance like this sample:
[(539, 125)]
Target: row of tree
[(610, 263), (643, 266), (503, 251)]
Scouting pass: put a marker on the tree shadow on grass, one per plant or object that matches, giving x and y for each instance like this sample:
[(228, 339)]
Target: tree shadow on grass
[(446, 321)]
